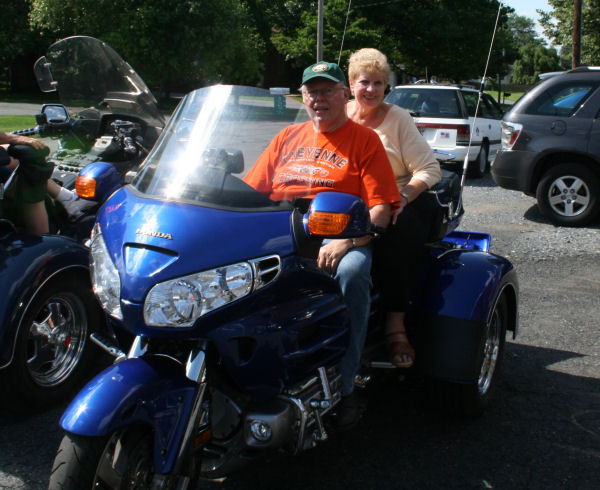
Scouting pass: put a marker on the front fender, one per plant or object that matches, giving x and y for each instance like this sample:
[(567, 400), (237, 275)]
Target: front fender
[(152, 391), (460, 291), (27, 263)]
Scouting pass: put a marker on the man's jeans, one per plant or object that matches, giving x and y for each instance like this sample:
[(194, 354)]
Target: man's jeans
[(354, 277)]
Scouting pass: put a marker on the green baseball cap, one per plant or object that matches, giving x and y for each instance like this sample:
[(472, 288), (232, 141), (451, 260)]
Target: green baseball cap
[(323, 69)]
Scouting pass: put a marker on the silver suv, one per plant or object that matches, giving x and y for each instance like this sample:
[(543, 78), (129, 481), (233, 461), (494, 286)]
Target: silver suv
[(551, 146), (444, 115)]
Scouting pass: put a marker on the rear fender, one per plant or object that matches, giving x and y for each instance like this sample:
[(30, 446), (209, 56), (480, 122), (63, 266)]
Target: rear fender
[(463, 283), (460, 291), (151, 391), (27, 264)]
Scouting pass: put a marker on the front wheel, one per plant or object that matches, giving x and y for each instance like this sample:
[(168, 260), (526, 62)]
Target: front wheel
[(124, 460), (569, 195)]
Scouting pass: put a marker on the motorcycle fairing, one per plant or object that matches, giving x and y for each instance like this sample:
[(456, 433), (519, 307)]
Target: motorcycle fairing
[(151, 240), (152, 391), (297, 324), (27, 263)]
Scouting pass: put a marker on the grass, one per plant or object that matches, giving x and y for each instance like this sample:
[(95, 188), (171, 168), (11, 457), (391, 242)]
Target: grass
[(514, 96), (13, 123)]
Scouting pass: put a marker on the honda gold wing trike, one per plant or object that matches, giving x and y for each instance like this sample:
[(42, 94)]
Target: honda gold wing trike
[(234, 333), (48, 310)]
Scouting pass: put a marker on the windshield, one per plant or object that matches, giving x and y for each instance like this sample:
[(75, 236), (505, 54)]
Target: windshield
[(213, 138), (427, 102), (89, 74)]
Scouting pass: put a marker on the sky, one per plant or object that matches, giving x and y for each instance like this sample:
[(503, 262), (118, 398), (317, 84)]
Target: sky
[(527, 8)]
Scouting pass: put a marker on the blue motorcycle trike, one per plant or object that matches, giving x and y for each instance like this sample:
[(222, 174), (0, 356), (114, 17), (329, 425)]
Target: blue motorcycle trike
[(235, 335)]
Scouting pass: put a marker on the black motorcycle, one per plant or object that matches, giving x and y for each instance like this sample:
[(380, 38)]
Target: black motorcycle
[(48, 309)]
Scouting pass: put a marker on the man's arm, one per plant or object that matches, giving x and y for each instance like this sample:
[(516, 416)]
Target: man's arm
[(15, 139)]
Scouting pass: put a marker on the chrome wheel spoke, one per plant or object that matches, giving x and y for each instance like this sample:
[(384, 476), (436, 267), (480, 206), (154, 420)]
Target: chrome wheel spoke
[(41, 353)]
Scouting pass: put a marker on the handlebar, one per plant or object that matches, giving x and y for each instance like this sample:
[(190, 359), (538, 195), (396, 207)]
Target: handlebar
[(27, 132), (129, 145)]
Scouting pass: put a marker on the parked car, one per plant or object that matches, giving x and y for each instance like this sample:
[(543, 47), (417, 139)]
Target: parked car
[(444, 115), (551, 146)]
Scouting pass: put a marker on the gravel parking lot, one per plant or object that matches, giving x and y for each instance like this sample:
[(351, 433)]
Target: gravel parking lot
[(542, 432)]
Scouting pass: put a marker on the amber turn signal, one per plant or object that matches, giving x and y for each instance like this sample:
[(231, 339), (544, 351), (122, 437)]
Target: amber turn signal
[(85, 186), (322, 223)]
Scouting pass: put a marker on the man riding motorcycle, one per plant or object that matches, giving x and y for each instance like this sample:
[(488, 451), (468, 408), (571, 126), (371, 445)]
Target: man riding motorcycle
[(355, 162)]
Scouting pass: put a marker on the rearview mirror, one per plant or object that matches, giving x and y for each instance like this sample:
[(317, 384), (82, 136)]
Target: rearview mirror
[(55, 113), (229, 160)]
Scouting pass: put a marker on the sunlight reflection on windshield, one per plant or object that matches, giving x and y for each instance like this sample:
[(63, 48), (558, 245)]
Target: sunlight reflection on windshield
[(200, 134)]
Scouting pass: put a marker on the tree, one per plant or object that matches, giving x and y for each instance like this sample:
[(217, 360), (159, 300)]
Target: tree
[(447, 38), (298, 40), (523, 30), (173, 45), (534, 57), (19, 44), (558, 27)]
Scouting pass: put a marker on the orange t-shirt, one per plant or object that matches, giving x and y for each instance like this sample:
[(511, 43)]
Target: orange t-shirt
[(300, 162)]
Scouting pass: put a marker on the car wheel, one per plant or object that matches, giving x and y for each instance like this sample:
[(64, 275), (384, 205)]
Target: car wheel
[(479, 167), (569, 195), (53, 353)]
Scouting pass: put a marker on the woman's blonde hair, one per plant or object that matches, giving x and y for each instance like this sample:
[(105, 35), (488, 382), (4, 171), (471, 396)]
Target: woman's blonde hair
[(369, 60)]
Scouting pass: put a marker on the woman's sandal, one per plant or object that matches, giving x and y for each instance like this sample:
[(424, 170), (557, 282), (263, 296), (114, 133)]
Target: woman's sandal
[(402, 354)]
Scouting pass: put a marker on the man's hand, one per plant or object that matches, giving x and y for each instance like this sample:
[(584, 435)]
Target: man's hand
[(331, 253)]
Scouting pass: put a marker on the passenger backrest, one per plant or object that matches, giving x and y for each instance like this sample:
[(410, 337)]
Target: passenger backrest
[(445, 198)]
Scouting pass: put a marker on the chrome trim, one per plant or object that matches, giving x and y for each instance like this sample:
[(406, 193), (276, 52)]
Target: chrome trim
[(105, 344), (138, 347), (260, 273), (196, 371), (313, 399), (195, 367)]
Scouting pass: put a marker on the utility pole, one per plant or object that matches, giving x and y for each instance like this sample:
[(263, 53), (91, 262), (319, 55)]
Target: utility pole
[(320, 31), (576, 33)]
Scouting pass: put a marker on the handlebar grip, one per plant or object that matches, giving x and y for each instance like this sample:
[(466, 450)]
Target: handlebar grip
[(27, 132), (129, 145)]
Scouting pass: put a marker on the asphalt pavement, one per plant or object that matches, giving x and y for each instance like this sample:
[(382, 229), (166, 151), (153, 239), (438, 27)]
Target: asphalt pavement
[(541, 432), (19, 109)]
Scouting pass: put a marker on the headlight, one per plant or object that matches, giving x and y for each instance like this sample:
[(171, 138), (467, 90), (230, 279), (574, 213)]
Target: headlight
[(180, 302), (105, 277)]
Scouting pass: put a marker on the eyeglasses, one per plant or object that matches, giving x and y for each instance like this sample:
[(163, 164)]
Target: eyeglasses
[(325, 92)]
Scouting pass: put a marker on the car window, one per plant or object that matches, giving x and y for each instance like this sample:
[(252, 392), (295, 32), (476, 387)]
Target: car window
[(426, 102), (561, 99), (492, 107), (470, 101)]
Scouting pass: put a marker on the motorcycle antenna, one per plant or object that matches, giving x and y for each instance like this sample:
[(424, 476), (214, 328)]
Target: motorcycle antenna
[(481, 88), (344, 33)]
